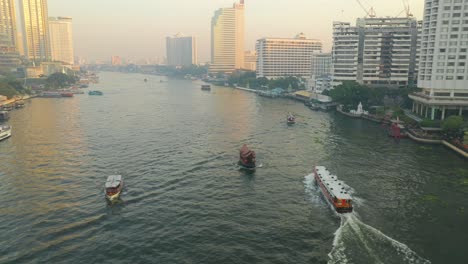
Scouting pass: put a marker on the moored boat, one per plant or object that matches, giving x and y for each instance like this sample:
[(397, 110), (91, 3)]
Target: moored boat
[(206, 87), (5, 132), (333, 189), (95, 93), (4, 116), (66, 94), (7, 107), (246, 157), (19, 104), (51, 95), (114, 186)]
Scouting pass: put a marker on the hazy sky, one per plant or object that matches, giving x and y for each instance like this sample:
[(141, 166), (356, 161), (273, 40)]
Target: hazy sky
[(137, 28)]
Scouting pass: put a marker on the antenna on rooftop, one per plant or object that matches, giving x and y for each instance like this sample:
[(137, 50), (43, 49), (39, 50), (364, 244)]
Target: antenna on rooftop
[(369, 11)]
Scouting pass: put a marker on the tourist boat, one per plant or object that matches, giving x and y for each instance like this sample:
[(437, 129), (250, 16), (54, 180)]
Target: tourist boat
[(95, 93), (51, 95), (206, 87), (19, 104), (7, 107), (333, 190), (246, 157), (5, 132), (114, 186), (291, 119), (4, 116)]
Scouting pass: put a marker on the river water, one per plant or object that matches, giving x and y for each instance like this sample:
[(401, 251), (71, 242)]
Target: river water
[(186, 201)]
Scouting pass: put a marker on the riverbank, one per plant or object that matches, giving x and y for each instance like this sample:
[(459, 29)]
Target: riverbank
[(413, 136)]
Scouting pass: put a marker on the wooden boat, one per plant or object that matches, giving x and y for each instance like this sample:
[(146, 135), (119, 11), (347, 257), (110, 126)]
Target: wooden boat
[(114, 186), (333, 190), (66, 94), (5, 132), (19, 104), (206, 87), (246, 157)]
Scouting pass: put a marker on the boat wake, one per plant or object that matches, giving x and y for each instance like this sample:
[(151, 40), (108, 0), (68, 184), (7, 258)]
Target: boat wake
[(357, 242)]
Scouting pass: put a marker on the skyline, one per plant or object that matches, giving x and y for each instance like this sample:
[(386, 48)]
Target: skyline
[(147, 23)]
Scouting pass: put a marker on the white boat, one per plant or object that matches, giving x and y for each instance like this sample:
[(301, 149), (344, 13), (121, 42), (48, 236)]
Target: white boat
[(5, 132), (114, 186), (333, 189)]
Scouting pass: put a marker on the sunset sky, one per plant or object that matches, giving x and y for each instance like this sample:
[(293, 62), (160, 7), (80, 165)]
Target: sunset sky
[(137, 29)]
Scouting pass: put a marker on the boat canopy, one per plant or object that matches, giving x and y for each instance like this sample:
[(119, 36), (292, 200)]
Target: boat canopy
[(334, 186), (245, 152), (113, 181)]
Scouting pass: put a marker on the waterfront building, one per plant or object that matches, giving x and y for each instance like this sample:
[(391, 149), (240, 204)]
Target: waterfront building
[(227, 39), (377, 51), (116, 60), (283, 57), (9, 57), (61, 39), (181, 50), (443, 74), (250, 61), (36, 29), (321, 70)]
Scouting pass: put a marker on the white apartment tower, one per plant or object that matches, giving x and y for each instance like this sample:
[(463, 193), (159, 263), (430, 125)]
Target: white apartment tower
[(443, 72), (9, 56), (181, 50), (61, 39), (36, 29), (377, 51), (283, 57), (227, 39)]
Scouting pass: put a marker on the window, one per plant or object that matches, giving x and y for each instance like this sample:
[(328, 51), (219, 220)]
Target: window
[(460, 78), (463, 50), (448, 77), (439, 77), (451, 57), (461, 71), (450, 71), (441, 50), (441, 57), (443, 43), (446, 22), (441, 64), (447, 8), (453, 50), (454, 36), (457, 8), (440, 70), (443, 30), (455, 29), (456, 15), (461, 64), (449, 64)]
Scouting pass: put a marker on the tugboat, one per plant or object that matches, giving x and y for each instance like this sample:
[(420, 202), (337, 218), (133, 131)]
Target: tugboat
[(333, 190), (206, 87), (5, 132), (291, 119), (114, 186), (247, 158)]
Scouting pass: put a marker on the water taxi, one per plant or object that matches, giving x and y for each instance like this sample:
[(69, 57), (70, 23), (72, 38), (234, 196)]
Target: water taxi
[(5, 132), (333, 190), (114, 186), (291, 119), (246, 157), (206, 87)]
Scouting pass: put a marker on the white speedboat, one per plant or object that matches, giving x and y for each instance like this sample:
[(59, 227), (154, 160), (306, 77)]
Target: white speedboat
[(5, 132), (114, 186)]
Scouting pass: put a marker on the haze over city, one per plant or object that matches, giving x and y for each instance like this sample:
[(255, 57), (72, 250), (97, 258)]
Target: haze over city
[(137, 29)]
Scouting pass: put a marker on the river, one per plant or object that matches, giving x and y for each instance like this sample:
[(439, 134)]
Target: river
[(185, 200)]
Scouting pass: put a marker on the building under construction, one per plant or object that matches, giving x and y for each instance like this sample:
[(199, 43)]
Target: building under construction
[(377, 51)]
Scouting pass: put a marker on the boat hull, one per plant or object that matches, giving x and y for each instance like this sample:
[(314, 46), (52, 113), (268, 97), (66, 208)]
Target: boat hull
[(5, 134), (113, 197), (323, 189), (246, 166)]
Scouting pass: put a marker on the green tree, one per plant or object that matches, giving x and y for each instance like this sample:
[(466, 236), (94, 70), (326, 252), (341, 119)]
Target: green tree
[(453, 126), (60, 80), (7, 90)]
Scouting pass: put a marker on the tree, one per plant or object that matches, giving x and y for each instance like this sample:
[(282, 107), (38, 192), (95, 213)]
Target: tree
[(7, 90), (453, 126), (60, 80)]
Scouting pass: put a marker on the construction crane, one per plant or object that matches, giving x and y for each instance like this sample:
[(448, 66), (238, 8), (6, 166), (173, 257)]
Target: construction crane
[(370, 12), (406, 10)]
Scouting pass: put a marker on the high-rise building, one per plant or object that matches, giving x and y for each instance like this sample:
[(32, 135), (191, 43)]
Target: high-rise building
[(9, 56), (116, 60), (443, 72), (283, 57), (181, 50), (35, 29), (250, 60), (227, 39), (321, 70), (61, 39), (377, 51)]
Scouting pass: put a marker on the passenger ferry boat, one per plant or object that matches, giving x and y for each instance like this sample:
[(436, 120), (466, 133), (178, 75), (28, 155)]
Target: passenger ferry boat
[(291, 120), (114, 186), (333, 190), (5, 132)]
